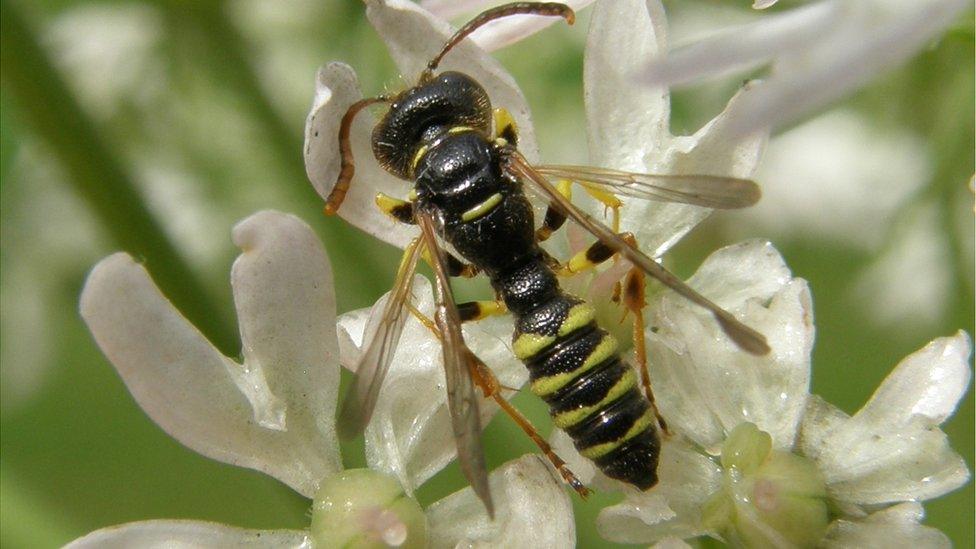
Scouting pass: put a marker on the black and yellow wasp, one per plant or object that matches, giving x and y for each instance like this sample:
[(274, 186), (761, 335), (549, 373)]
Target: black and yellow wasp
[(469, 191)]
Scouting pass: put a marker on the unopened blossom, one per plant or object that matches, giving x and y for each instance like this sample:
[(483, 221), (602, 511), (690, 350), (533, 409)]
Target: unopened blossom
[(275, 411)]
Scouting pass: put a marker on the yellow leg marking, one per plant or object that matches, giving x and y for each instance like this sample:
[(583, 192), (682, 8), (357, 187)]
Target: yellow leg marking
[(605, 448), (572, 417), (478, 310), (505, 127), (545, 386), (609, 200)]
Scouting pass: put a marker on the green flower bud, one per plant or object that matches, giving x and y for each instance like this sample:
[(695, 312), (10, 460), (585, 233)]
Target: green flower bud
[(365, 509), (769, 498)]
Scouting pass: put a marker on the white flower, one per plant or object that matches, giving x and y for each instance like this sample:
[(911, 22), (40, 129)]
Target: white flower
[(275, 411), (708, 389), (753, 459), (819, 52)]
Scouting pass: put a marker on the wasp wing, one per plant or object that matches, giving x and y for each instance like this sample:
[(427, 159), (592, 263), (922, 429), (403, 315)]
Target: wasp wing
[(745, 337), (462, 401), (701, 190), (360, 400)]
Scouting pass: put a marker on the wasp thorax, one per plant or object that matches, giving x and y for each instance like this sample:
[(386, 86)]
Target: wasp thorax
[(420, 114)]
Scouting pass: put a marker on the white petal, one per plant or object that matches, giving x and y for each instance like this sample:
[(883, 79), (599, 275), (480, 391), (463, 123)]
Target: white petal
[(449, 9), (929, 383), (624, 121), (670, 509), (253, 415), (285, 300), (704, 384), (504, 32), (414, 36), (532, 509), (891, 449), (897, 526), (410, 433), (336, 88), (862, 45), (763, 4), (188, 533), (671, 543), (350, 329), (712, 150), (742, 47)]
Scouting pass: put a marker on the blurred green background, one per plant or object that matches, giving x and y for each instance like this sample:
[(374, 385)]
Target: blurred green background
[(153, 126)]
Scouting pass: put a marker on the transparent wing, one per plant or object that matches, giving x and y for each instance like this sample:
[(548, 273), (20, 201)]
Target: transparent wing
[(745, 337), (701, 190), (462, 401), (375, 361)]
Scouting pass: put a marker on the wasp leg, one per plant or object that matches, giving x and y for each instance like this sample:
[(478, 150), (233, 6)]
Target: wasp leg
[(485, 379), (609, 200), (477, 310), (632, 297), (597, 253), (505, 127), (399, 210), (554, 218), (402, 211)]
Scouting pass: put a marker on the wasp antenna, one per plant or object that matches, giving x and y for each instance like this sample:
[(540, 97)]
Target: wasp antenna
[(545, 9), (347, 167)]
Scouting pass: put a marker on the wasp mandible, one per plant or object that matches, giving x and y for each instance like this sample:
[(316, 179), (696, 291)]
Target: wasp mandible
[(469, 190)]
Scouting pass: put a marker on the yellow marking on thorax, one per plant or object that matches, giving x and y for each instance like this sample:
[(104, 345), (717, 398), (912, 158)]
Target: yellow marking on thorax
[(482, 209), (569, 418), (545, 386), (605, 448)]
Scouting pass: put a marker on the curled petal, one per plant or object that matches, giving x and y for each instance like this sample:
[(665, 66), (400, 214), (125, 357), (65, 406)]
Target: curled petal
[(409, 435), (188, 533), (414, 36), (336, 88), (896, 526), (273, 413), (704, 384), (891, 449), (670, 509), (532, 509)]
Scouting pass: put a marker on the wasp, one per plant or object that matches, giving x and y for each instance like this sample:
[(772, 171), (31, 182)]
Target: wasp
[(470, 185)]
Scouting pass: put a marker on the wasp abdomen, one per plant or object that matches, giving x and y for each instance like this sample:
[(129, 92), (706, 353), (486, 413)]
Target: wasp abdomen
[(593, 395)]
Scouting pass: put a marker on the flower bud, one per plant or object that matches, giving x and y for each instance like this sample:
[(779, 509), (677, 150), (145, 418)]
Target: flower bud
[(361, 508)]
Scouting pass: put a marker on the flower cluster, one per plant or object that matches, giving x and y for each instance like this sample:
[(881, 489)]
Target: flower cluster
[(752, 458)]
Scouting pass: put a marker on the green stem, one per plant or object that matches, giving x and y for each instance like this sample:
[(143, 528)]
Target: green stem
[(51, 110)]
